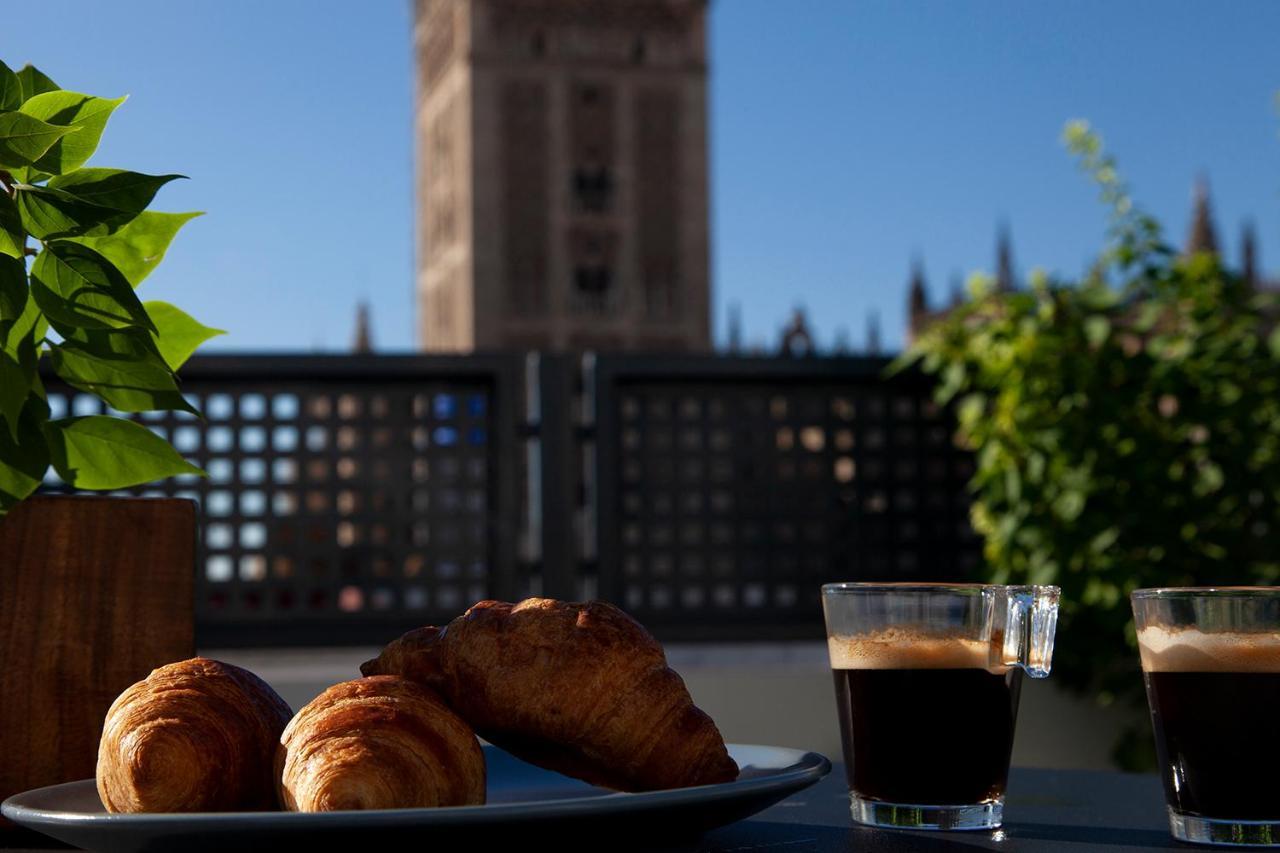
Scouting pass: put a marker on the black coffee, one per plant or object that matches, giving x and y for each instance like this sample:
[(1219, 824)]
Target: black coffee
[(1218, 739), (927, 736)]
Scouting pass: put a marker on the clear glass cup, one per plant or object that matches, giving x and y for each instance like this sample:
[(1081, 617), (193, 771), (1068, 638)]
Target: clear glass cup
[(1211, 664), (927, 679)]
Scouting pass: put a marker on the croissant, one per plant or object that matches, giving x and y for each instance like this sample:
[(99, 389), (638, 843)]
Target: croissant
[(579, 688), (378, 743), (193, 736)]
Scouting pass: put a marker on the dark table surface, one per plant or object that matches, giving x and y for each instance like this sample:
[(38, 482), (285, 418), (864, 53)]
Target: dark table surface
[(1047, 811)]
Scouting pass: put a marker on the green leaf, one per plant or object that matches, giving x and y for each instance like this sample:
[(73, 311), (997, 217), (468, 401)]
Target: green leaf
[(23, 461), (10, 89), (971, 408), (1069, 504), (13, 292), (48, 214), (102, 452), (18, 362), (75, 286), (87, 202), (72, 109), (24, 139), (34, 82), (29, 325), (133, 344), (179, 333), (13, 236), (14, 387), (1096, 330), (138, 246), (115, 189), (127, 383)]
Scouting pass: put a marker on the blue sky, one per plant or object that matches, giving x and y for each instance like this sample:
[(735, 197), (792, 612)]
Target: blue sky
[(846, 136)]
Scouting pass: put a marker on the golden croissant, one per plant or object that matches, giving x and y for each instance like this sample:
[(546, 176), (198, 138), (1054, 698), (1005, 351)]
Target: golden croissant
[(378, 743), (580, 688), (193, 736)]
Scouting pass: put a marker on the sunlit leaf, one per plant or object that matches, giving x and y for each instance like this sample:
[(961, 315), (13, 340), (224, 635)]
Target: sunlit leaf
[(12, 235), (137, 247), (178, 333), (48, 214), (102, 452), (86, 113), (24, 139), (128, 383), (76, 286)]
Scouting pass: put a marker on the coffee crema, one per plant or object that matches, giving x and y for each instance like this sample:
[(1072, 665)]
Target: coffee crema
[(898, 649), (1194, 650)]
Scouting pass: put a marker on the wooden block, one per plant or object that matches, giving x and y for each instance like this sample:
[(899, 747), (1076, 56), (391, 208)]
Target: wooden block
[(95, 592)]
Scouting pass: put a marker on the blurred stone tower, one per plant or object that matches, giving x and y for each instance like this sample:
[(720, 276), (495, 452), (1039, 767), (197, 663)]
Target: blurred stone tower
[(561, 175)]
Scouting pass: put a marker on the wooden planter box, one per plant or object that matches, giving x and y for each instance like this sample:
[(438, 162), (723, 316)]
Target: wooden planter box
[(95, 592)]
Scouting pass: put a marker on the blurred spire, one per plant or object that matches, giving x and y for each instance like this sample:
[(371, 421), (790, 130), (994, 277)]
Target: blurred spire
[(873, 333), (1249, 256), (917, 299), (1202, 236), (796, 337), (1005, 280), (363, 343), (917, 293), (957, 289), (735, 328), (841, 346)]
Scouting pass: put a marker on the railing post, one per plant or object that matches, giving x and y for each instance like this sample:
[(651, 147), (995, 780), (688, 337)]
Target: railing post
[(558, 475)]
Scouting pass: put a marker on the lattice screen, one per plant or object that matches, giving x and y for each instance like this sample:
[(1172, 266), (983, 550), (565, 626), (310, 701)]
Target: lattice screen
[(736, 499), (333, 502), (349, 499)]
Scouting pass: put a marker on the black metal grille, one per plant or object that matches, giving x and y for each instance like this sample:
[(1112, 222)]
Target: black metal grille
[(731, 490), (343, 503), (352, 497)]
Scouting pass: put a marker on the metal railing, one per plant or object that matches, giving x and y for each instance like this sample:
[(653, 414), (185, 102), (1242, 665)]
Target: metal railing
[(352, 497)]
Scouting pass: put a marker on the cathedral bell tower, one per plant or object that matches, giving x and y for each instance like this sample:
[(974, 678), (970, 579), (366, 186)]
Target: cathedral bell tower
[(562, 175)]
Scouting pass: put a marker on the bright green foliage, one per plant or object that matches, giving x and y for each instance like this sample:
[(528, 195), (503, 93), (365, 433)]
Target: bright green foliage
[(75, 242), (85, 113), (139, 245), (1127, 431), (179, 333), (101, 452), (24, 140)]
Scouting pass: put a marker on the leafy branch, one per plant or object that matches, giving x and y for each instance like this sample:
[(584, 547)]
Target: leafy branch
[(71, 297), (1126, 429)]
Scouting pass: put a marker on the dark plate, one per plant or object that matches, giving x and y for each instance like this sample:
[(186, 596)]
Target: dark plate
[(524, 801)]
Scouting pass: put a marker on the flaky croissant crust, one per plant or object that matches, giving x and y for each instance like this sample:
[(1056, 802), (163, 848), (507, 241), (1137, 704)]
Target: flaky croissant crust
[(378, 743), (580, 688), (196, 735)]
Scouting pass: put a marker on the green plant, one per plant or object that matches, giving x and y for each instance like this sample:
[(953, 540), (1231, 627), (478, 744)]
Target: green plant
[(1126, 431), (70, 297)]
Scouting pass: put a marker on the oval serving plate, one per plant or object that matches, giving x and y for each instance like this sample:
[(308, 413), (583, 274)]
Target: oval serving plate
[(523, 800)]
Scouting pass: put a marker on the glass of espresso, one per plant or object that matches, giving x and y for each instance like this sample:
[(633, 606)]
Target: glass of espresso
[(1211, 663), (927, 679)]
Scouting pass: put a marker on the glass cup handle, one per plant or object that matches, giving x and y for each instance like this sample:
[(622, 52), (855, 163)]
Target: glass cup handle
[(1028, 616)]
